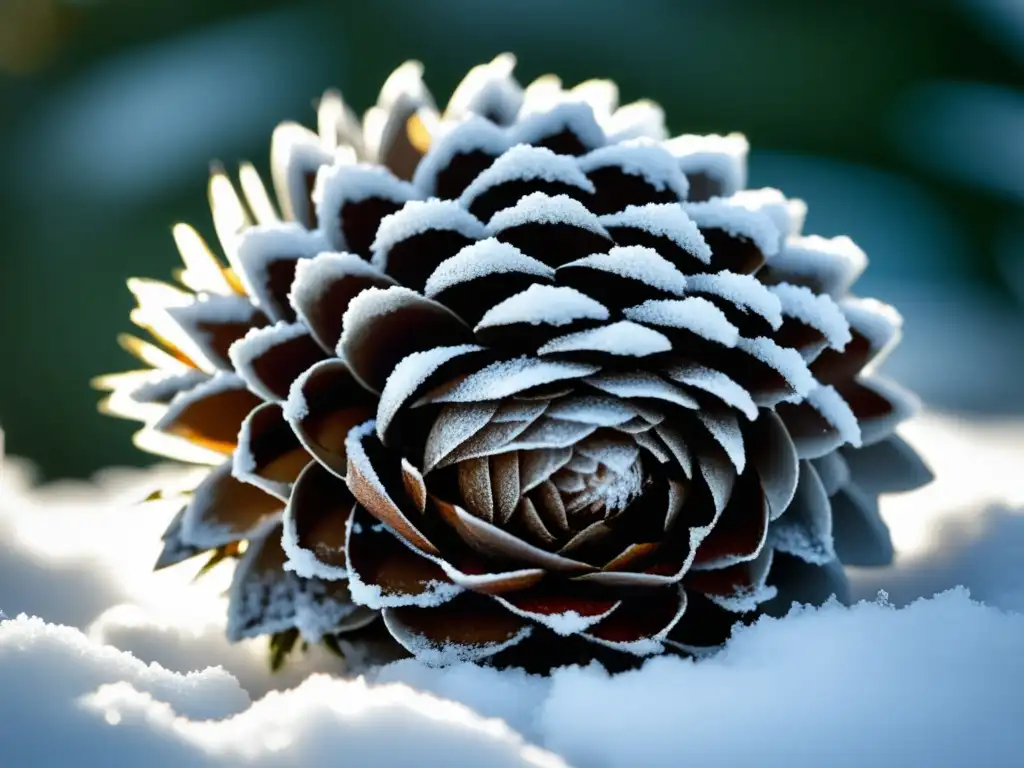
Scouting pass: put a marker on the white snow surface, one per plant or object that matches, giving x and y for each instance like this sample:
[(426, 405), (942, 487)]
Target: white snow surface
[(538, 208), (837, 261), (419, 216), (736, 220), (818, 310), (721, 157), (664, 219), (937, 683), (745, 291), (475, 133), (544, 304), (695, 314), (639, 263), (485, 257), (575, 116), (525, 162), (640, 157)]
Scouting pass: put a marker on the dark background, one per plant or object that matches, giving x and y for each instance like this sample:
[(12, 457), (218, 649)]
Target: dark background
[(900, 123)]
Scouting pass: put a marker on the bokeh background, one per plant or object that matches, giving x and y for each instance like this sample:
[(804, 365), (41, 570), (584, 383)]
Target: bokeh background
[(900, 123)]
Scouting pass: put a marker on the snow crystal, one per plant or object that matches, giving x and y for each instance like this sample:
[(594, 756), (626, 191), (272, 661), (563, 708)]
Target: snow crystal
[(787, 362), (638, 263), (311, 275), (723, 158), (303, 562), (475, 133), (259, 245), (787, 215), (716, 383), (745, 291), (817, 310), (880, 323), (339, 185), (524, 162), (544, 304), (577, 117), (622, 338), (506, 378), (486, 257), (640, 157), (736, 220), (835, 263), (419, 216), (667, 220), (694, 314), (539, 208), (372, 596), (408, 375), (295, 408), (488, 89)]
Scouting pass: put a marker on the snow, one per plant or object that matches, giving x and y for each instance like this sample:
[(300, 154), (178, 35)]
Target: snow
[(340, 184), (258, 342), (695, 314), (745, 291), (419, 216), (879, 322), (817, 310), (723, 158), (508, 377), (787, 215), (544, 304), (726, 431), (638, 263), (539, 208), (836, 411), (576, 117), (736, 220), (624, 338), (640, 157), (667, 220), (475, 133), (523, 163), (787, 362), (262, 244), (835, 262), (294, 152), (716, 383), (486, 257), (638, 119), (935, 683), (488, 89)]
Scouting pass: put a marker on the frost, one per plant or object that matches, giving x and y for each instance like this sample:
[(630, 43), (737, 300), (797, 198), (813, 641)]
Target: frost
[(638, 263), (667, 220), (878, 322), (787, 215), (723, 158), (737, 221), (624, 338), (539, 208), (817, 310), (787, 362), (338, 185), (475, 133), (258, 246), (440, 655), (258, 342), (408, 375), (577, 117), (640, 157), (544, 304), (294, 152), (487, 257), (419, 216), (693, 314), (602, 411), (642, 384), (716, 383), (726, 431), (503, 379), (488, 89), (565, 623), (526, 163), (745, 291), (834, 263)]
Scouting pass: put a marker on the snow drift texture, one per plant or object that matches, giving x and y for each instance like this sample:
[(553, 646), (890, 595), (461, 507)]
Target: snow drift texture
[(939, 682)]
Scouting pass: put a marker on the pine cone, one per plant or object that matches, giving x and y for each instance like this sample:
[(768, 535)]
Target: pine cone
[(534, 382)]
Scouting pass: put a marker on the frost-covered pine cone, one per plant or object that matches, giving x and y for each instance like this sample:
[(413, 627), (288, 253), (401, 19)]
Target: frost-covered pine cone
[(557, 388)]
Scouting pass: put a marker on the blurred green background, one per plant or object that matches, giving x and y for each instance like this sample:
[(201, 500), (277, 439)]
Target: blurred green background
[(901, 124)]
